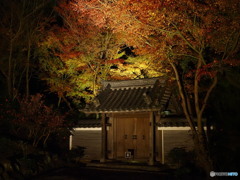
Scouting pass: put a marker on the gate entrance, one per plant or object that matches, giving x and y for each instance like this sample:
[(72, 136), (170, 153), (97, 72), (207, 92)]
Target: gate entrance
[(132, 135)]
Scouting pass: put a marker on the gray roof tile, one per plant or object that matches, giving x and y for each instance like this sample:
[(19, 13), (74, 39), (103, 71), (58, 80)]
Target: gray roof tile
[(89, 123), (131, 95)]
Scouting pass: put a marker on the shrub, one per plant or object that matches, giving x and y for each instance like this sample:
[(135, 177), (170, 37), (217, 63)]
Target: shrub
[(180, 157), (76, 154), (35, 122)]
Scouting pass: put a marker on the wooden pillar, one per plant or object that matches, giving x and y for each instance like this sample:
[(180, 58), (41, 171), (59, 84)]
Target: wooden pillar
[(163, 154), (114, 137), (104, 139), (152, 139), (70, 142)]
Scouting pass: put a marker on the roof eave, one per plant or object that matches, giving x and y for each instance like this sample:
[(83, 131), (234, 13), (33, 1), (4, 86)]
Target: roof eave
[(120, 111)]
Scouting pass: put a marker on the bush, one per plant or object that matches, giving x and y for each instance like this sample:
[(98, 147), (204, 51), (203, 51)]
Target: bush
[(75, 154), (36, 122), (21, 167), (8, 148), (184, 161), (180, 157), (27, 129)]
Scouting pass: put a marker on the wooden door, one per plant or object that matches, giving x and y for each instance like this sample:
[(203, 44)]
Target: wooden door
[(142, 142), (124, 130), (132, 134)]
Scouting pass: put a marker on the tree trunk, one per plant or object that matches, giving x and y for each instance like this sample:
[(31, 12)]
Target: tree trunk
[(204, 159), (59, 101), (9, 75), (200, 142), (27, 68), (95, 77), (68, 104), (46, 138)]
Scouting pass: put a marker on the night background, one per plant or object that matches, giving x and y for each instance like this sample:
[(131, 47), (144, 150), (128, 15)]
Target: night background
[(54, 54)]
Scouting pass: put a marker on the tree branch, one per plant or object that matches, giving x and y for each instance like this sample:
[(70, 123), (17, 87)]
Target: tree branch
[(182, 36), (3, 73), (234, 47), (196, 96), (187, 55), (184, 104), (215, 80)]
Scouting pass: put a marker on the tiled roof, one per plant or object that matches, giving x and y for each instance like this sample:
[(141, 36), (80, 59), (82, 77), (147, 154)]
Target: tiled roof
[(176, 121), (131, 95), (89, 123), (164, 122), (132, 83), (172, 122)]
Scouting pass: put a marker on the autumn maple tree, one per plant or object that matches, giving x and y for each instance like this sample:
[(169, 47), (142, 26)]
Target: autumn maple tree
[(193, 41), (80, 50), (76, 54), (196, 39)]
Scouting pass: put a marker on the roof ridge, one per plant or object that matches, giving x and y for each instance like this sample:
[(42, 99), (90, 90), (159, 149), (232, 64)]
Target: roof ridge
[(146, 82), (132, 87)]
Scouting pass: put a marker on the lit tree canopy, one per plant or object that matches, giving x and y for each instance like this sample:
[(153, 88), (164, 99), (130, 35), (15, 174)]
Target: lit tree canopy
[(77, 54), (197, 39), (82, 49)]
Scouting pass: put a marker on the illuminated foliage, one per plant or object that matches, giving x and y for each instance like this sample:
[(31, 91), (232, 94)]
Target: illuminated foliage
[(194, 38), (135, 68), (83, 50)]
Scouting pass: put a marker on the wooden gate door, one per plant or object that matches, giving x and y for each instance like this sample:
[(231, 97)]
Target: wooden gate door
[(132, 134), (142, 141)]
